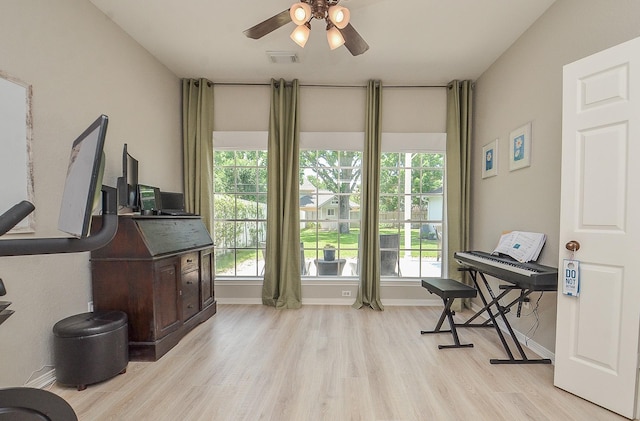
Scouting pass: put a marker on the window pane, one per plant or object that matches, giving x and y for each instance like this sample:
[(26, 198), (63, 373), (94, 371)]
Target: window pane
[(432, 160), (262, 179), (390, 160), (430, 181), (222, 182), (246, 207), (247, 179), (222, 158)]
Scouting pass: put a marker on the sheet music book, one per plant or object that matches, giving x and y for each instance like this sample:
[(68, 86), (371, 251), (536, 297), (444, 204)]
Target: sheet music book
[(522, 246)]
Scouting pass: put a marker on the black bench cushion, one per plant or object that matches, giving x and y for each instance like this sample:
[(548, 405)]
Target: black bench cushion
[(448, 288)]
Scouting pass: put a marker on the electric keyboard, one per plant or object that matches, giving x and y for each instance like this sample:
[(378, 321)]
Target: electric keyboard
[(526, 275)]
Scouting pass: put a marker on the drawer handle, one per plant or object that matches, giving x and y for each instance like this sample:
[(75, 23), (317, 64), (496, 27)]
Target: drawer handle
[(190, 306), (189, 260), (189, 282)]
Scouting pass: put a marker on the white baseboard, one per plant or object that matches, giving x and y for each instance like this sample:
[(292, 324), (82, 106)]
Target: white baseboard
[(43, 381), (233, 300), (524, 340), (338, 301)]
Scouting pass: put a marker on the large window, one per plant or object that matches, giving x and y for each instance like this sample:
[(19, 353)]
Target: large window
[(240, 212), (411, 210), (411, 206), (330, 211)]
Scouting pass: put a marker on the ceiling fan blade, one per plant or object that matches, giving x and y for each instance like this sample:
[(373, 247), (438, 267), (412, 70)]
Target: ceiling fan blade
[(353, 41), (269, 25)]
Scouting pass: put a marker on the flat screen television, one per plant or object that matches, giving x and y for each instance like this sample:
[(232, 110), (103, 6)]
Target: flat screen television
[(84, 179), (128, 183)]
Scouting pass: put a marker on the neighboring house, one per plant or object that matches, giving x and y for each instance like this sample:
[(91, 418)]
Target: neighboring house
[(323, 206), (436, 205)]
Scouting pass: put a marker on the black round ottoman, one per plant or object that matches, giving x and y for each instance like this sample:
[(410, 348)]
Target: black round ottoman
[(90, 347)]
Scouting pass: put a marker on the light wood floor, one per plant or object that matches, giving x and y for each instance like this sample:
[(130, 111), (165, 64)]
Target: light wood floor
[(251, 362)]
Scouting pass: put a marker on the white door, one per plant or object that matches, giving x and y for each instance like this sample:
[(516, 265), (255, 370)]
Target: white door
[(597, 332)]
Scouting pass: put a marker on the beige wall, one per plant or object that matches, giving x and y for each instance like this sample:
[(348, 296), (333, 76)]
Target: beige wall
[(80, 65), (525, 84), (337, 109)]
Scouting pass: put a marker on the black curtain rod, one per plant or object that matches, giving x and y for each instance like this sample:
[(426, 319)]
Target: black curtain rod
[(328, 86)]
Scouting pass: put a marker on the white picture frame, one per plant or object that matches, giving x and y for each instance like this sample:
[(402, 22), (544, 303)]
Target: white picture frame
[(520, 147), (16, 165), (490, 159)]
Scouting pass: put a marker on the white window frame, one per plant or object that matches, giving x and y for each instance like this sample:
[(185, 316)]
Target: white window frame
[(391, 142)]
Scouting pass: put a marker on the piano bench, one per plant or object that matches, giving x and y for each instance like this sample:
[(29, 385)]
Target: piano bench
[(448, 290)]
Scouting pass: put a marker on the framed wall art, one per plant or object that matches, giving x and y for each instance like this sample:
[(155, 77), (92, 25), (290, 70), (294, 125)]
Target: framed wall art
[(520, 147), (490, 159)]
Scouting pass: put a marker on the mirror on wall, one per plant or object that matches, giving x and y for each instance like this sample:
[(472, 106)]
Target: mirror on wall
[(16, 174)]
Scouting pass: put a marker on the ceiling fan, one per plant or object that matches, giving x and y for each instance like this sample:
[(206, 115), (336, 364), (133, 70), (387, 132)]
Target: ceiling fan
[(339, 30)]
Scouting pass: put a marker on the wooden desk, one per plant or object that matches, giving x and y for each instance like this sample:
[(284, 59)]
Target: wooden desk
[(160, 271)]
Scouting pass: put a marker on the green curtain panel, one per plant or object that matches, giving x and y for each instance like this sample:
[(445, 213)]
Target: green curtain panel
[(197, 147), (282, 287), (458, 181), (369, 253)]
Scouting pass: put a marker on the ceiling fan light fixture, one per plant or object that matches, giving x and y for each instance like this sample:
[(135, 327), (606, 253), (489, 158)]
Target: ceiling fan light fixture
[(300, 35), (334, 37), (339, 16), (337, 19), (300, 13)]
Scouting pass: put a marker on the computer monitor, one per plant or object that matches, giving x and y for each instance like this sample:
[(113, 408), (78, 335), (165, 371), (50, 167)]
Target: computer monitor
[(172, 200), (84, 179), (128, 182)]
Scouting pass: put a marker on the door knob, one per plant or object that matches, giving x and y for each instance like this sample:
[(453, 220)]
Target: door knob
[(572, 245)]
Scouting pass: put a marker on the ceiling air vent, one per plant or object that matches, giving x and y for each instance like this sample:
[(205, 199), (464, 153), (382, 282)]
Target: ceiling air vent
[(282, 57)]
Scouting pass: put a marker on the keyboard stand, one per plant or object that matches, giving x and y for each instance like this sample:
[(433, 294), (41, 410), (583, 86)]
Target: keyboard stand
[(496, 312)]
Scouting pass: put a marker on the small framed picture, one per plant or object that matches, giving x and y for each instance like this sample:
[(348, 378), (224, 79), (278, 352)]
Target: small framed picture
[(490, 159), (520, 147)]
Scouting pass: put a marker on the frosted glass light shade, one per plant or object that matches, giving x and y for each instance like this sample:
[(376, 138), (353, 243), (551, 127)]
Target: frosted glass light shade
[(339, 16), (300, 13), (300, 35), (334, 37)]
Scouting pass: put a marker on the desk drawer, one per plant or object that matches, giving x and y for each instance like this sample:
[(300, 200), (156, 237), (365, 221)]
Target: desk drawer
[(189, 262), (190, 294), (190, 306)]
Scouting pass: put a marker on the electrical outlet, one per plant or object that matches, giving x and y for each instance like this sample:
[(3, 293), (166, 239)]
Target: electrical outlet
[(90, 306), (346, 293)]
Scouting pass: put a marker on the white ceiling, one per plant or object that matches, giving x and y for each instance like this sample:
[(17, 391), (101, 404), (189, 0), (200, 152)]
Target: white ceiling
[(412, 42)]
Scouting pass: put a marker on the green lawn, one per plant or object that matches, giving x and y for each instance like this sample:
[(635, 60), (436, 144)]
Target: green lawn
[(348, 244)]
